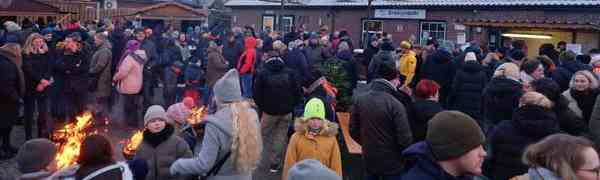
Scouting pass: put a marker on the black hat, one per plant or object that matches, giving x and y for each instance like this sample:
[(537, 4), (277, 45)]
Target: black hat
[(451, 134)]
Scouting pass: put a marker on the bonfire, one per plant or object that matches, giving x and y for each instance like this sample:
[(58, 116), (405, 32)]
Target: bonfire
[(131, 145), (69, 139), (196, 116)]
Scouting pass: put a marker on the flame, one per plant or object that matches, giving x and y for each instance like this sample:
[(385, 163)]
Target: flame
[(69, 139), (133, 142), (196, 116)]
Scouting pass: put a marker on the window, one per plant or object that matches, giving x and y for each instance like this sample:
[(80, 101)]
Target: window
[(287, 22), (268, 22), (433, 30)]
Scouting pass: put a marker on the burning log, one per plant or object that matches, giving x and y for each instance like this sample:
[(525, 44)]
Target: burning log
[(132, 144), (69, 139)]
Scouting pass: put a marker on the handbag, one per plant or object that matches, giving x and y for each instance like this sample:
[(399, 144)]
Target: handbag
[(215, 169)]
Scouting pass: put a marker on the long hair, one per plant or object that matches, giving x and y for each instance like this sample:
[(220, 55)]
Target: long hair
[(28, 47), (588, 75), (559, 153), (246, 140)]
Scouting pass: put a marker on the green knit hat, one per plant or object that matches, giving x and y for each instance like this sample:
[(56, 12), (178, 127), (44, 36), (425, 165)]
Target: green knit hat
[(315, 108), (451, 134)]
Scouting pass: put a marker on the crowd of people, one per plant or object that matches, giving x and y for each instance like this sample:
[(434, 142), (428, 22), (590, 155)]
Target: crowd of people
[(437, 111)]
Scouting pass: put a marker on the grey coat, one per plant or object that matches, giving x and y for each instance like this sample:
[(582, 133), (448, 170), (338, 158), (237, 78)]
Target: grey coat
[(217, 142), (160, 158), (100, 65)]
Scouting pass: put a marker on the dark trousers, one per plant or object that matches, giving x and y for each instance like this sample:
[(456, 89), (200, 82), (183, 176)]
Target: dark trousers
[(37, 102), (9, 116), (131, 108)]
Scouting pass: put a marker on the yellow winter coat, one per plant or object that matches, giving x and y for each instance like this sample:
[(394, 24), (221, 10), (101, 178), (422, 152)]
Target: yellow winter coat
[(323, 147), (408, 66)]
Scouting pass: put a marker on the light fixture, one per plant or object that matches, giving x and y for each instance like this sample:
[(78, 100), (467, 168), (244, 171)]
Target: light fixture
[(530, 36)]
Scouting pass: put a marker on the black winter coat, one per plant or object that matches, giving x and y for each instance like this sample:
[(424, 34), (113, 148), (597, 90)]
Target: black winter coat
[(467, 89), (296, 60), (75, 69), (569, 121), (530, 124), (563, 73), (276, 89), (424, 111), (381, 150), (500, 98), (232, 52), (377, 60), (439, 68), (35, 68), (10, 96)]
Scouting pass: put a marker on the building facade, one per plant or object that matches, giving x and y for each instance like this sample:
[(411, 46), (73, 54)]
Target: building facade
[(493, 23)]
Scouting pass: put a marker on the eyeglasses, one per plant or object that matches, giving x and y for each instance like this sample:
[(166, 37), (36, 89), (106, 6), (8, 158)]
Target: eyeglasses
[(595, 171)]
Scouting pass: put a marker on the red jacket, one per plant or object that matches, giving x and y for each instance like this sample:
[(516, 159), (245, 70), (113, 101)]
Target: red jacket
[(248, 58)]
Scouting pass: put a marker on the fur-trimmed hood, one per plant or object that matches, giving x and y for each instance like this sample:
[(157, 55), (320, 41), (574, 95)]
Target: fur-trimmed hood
[(329, 128)]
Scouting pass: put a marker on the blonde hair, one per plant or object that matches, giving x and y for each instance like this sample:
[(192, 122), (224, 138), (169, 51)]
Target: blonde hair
[(559, 153), (246, 139), (588, 75), (535, 98), (28, 47)]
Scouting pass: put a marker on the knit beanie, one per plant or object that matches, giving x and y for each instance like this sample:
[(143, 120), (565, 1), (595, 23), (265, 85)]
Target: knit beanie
[(154, 112), (35, 155), (311, 169), (227, 89), (470, 56), (451, 134), (315, 108)]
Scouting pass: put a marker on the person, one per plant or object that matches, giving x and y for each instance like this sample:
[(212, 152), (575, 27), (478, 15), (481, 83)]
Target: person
[(341, 72), (533, 121), (160, 146), (96, 161), (178, 113), (11, 96), (100, 70), (75, 69), (467, 87), (408, 62), (322, 89), (562, 46), (150, 66), (386, 53), (296, 61), (233, 50), (277, 92), (231, 137), (173, 65), (217, 64), (489, 63), (569, 66), (245, 66), (128, 80), (315, 52), (37, 71), (531, 70), (561, 156), (569, 122), (381, 150), (440, 157), (427, 105), (311, 169), (35, 159), (370, 52), (548, 50), (315, 138), (547, 64), (501, 95), (440, 68), (582, 93)]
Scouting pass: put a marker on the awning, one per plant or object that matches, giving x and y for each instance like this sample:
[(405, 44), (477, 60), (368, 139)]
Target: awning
[(525, 23)]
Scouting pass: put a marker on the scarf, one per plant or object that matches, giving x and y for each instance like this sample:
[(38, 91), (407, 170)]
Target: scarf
[(155, 139)]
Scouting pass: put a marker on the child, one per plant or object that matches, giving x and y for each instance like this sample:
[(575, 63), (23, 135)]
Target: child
[(178, 113), (160, 147), (315, 138)]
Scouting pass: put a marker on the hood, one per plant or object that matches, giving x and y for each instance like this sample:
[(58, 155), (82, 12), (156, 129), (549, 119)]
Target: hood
[(227, 89), (541, 174), (250, 43), (536, 121), (275, 64), (344, 55), (425, 159), (503, 85), (329, 128), (472, 66), (441, 57)]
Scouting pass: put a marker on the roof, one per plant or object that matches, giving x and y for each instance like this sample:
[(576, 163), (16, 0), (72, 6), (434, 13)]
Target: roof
[(434, 3), (158, 11), (28, 6)]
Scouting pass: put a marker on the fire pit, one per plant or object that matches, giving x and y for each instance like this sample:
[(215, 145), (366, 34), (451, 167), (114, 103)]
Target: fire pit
[(69, 139), (132, 144)]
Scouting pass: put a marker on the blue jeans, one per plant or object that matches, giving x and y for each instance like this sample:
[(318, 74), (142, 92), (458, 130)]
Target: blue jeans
[(369, 176), (246, 82)]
